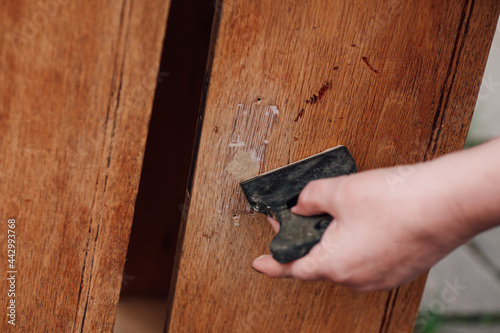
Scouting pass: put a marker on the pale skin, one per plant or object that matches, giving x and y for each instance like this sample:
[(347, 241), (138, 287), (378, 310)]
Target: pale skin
[(391, 225)]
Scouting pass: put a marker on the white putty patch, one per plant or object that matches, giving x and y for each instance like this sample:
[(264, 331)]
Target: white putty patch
[(244, 165), (237, 144), (253, 155), (266, 142), (275, 110)]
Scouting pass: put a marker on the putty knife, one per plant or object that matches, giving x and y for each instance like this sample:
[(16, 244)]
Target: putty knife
[(275, 192)]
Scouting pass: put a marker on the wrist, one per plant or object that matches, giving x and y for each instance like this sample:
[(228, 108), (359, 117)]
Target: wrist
[(469, 185), (435, 213)]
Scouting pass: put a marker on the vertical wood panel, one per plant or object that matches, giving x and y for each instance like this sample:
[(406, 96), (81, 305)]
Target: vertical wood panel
[(404, 76), (78, 80)]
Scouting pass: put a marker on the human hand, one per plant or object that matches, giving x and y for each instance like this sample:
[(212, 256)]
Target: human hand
[(385, 232)]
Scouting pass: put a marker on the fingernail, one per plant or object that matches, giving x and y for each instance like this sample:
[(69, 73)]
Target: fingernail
[(262, 256), (257, 271)]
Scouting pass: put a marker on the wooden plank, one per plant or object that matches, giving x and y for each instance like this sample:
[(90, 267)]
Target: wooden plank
[(79, 78), (403, 79)]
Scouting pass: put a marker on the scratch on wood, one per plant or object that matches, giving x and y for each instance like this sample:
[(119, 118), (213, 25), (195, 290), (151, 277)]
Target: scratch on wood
[(113, 103), (448, 84), (300, 114), (365, 60), (315, 97), (321, 92), (390, 306)]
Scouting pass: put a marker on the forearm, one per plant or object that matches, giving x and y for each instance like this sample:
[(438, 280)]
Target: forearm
[(471, 181)]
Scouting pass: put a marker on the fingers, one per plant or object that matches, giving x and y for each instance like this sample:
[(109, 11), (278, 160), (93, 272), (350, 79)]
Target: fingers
[(268, 266), (318, 197), (303, 268), (275, 224)]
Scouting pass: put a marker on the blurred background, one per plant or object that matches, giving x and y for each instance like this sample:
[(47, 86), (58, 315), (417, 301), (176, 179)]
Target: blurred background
[(462, 294)]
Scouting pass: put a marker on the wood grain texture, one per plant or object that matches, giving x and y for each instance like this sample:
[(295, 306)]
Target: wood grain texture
[(403, 78), (78, 81)]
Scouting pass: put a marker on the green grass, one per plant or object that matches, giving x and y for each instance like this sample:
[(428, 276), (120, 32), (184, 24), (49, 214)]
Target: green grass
[(430, 322)]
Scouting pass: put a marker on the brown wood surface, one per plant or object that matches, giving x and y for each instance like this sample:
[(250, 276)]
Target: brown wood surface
[(403, 77), (78, 80)]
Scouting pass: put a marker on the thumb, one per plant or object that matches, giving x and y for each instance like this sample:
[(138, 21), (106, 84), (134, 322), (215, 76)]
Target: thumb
[(266, 265), (305, 268), (318, 197)]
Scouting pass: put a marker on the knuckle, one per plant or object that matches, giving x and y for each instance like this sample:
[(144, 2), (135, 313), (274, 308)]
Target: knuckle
[(305, 195), (341, 274), (344, 191), (305, 269), (311, 193), (342, 277)]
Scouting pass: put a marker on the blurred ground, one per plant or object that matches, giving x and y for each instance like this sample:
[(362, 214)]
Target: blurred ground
[(141, 314), (462, 294)]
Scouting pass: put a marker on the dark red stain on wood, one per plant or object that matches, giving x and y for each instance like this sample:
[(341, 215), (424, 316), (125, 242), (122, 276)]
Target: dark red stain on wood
[(365, 60), (300, 114), (321, 92)]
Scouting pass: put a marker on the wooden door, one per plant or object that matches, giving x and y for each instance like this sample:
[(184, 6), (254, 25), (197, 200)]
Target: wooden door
[(78, 79), (403, 78)]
